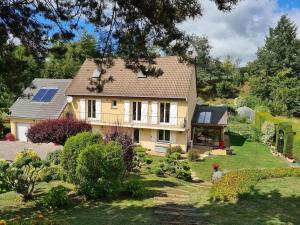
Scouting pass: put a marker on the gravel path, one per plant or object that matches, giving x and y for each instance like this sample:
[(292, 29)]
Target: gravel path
[(8, 150)]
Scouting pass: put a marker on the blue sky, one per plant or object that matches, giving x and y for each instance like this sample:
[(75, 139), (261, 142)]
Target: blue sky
[(289, 4)]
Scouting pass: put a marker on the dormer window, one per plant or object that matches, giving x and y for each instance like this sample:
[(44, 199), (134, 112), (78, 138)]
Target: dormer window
[(141, 74), (96, 74)]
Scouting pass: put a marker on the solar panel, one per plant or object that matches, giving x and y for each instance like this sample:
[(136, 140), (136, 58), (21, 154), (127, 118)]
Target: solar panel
[(39, 95), (44, 95), (49, 95)]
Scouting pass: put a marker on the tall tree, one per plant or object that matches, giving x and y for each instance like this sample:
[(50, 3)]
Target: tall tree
[(281, 49), (65, 59)]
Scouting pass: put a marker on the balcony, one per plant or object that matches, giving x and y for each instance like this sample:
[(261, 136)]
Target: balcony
[(108, 119)]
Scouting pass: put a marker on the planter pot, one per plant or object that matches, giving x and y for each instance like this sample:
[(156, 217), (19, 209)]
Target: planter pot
[(290, 160)]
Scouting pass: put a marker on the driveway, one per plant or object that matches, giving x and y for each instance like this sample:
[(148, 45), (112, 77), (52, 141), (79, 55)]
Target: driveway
[(9, 149)]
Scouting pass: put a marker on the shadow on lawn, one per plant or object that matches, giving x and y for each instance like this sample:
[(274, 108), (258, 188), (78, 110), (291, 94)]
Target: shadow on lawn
[(254, 208), (236, 139)]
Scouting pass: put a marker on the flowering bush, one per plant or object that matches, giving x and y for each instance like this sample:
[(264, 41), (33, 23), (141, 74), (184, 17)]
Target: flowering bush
[(236, 183), (268, 131), (127, 145), (56, 131), (215, 166), (10, 137)]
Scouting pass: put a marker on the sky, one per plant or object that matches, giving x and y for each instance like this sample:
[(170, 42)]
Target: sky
[(240, 32)]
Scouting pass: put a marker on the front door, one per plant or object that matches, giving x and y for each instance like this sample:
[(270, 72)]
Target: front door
[(136, 135)]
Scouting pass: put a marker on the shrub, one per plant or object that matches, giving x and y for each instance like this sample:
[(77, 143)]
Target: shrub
[(288, 133), (27, 153), (74, 145), (56, 131), (174, 149), (261, 117), (10, 137), (134, 188), (193, 155), (57, 197), (268, 131), (225, 89), (100, 170), (53, 172), (127, 145), (171, 165), (236, 183), (140, 159), (54, 157), (22, 175), (296, 147)]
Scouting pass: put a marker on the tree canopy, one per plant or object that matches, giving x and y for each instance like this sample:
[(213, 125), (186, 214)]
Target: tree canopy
[(275, 73)]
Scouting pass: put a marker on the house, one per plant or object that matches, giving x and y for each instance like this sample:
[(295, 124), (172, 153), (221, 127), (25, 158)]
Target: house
[(156, 112), (44, 99)]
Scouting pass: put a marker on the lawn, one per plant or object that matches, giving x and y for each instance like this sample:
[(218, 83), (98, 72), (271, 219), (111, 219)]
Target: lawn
[(273, 201), (247, 155)]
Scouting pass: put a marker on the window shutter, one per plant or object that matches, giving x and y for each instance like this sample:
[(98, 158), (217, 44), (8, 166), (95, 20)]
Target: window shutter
[(173, 137), (144, 111), (154, 112), (98, 109), (82, 109), (126, 111), (154, 135), (173, 113)]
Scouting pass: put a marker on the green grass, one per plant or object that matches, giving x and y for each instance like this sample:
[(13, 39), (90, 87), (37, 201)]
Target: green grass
[(247, 155), (272, 201)]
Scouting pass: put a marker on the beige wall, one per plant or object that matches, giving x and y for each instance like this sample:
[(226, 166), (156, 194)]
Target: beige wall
[(148, 137), (106, 108), (192, 101), (15, 121)]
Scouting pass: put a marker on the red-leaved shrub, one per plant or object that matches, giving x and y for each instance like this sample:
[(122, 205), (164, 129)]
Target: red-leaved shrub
[(116, 134), (215, 166), (10, 137), (56, 131)]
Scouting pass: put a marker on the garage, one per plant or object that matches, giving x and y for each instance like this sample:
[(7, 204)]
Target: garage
[(22, 129)]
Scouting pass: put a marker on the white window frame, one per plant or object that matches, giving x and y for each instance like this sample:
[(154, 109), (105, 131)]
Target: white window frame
[(91, 109), (164, 136), (137, 112)]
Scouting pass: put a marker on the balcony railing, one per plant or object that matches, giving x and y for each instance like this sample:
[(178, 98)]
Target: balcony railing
[(127, 120)]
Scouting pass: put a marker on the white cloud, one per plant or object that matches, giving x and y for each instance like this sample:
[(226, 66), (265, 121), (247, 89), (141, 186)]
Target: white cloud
[(240, 32)]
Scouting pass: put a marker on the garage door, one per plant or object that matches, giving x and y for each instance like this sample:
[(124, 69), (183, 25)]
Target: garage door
[(22, 129)]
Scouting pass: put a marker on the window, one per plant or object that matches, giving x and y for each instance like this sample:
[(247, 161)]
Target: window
[(114, 104), (137, 111), (164, 135), (92, 109), (136, 135), (45, 95), (204, 117), (164, 112)]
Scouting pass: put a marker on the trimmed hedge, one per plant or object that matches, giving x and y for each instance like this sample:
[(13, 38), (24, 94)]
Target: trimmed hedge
[(236, 183), (291, 146), (287, 129), (56, 130), (261, 117), (296, 147)]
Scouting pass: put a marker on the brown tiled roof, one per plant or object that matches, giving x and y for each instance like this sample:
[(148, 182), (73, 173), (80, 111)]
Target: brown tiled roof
[(174, 83)]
